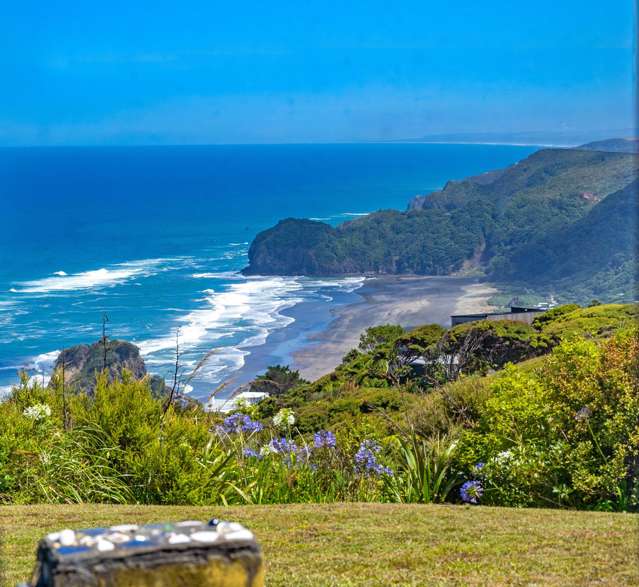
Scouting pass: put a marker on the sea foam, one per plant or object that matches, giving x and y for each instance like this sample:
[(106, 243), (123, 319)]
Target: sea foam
[(236, 317), (97, 278)]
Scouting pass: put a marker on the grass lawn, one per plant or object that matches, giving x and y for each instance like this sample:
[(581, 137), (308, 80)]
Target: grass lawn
[(381, 544)]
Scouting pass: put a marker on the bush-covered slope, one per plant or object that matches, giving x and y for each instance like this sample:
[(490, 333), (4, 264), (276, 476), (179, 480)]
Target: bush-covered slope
[(605, 239), (391, 366), (507, 222), (559, 429)]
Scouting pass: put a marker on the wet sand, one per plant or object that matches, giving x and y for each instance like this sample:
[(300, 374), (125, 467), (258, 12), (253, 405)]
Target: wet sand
[(408, 301)]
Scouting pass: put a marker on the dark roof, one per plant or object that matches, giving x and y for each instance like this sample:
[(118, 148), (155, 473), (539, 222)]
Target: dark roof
[(513, 310)]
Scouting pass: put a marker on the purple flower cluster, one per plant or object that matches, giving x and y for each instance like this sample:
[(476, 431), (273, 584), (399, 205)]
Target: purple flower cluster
[(252, 453), (324, 439), (283, 446), (288, 449), (236, 423), (366, 459), (471, 492)]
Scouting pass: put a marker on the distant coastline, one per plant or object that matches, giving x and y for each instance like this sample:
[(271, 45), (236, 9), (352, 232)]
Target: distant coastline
[(150, 280)]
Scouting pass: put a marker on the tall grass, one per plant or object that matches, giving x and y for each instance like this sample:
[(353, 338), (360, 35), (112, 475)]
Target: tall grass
[(76, 468), (425, 472)]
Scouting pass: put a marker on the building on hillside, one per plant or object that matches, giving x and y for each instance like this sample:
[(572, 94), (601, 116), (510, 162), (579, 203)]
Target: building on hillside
[(228, 404), (516, 314)]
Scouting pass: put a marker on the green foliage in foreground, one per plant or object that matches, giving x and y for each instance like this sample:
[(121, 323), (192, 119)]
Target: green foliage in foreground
[(377, 545), (562, 430)]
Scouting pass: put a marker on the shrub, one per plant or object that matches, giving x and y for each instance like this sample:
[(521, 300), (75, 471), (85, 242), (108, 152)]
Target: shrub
[(565, 434)]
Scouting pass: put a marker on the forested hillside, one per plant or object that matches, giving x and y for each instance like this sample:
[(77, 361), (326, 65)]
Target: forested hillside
[(545, 220)]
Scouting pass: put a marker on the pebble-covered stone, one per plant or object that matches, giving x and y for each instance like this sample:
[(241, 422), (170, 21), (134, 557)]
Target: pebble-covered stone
[(127, 550)]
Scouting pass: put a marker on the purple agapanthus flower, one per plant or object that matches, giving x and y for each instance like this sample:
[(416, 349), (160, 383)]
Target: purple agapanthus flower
[(283, 446), (252, 453), (288, 449), (324, 439), (236, 423), (471, 492), (479, 467), (366, 459)]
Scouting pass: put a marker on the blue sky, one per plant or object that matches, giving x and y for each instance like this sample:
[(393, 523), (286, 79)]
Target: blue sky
[(213, 72)]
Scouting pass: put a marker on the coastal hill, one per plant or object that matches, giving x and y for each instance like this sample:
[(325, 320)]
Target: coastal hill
[(502, 223), (628, 145)]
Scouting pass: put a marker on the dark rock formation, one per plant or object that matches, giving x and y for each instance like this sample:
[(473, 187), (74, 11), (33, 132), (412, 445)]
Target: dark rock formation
[(294, 245), (83, 362)]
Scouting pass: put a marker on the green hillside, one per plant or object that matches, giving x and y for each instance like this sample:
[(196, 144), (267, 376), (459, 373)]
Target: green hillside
[(505, 223), (604, 239)]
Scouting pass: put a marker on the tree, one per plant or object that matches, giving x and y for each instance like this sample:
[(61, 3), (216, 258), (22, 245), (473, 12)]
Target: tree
[(377, 336), (277, 380)]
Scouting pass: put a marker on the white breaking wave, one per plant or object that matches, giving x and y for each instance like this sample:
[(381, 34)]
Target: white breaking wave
[(252, 303), (346, 284), (60, 273), (218, 275), (249, 310), (341, 215), (96, 278), (239, 314), (42, 363)]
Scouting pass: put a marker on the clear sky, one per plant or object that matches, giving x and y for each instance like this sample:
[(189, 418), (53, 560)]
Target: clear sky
[(157, 72)]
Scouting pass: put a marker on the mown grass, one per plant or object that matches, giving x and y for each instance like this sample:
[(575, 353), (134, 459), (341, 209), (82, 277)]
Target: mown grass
[(382, 544)]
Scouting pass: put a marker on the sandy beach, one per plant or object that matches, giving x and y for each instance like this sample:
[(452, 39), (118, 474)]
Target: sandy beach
[(408, 301)]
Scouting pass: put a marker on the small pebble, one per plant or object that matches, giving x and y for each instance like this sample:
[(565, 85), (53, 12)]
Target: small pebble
[(67, 538), (104, 545), (189, 524), (124, 528), (205, 536), (239, 535), (229, 527), (179, 539), (87, 541), (118, 537)]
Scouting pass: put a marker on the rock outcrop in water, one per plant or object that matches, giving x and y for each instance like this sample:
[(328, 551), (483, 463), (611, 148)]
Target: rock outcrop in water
[(83, 362)]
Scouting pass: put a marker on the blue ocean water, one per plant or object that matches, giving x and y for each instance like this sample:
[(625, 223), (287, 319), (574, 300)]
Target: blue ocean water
[(154, 238)]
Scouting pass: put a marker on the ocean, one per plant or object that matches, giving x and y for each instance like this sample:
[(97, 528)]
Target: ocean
[(154, 238)]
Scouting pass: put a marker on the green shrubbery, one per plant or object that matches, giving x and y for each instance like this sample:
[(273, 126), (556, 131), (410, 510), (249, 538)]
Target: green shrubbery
[(565, 434), (559, 430)]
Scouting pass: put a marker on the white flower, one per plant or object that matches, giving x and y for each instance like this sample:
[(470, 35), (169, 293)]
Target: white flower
[(284, 417), (503, 457), (37, 411), (266, 450)]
